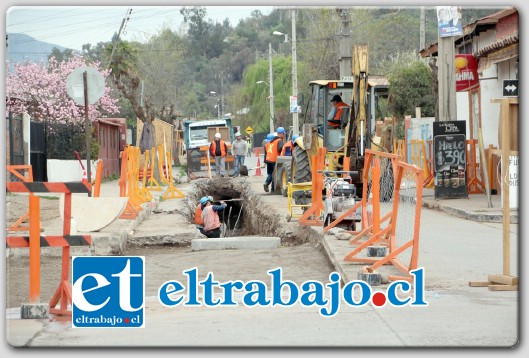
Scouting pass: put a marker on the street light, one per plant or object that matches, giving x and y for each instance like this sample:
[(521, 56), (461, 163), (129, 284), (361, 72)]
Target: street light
[(295, 129), (217, 106), (271, 85), (278, 33)]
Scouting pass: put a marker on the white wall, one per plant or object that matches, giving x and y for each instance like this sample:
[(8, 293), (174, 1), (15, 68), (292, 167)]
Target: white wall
[(462, 109), (491, 88), (61, 171), (26, 135)]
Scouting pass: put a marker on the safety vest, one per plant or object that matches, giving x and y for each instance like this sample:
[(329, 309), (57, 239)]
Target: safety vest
[(287, 149), (271, 151), (198, 215), (339, 109), (213, 148), (210, 218)]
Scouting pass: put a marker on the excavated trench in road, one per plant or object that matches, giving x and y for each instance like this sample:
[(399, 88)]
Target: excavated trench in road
[(246, 214)]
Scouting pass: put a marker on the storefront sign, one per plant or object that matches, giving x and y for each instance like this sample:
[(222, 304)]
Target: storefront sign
[(450, 159), (466, 72)]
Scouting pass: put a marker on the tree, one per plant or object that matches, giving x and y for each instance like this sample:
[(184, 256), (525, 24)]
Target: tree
[(410, 86), (40, 90)]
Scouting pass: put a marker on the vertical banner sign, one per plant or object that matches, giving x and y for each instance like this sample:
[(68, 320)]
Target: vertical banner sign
[(450, 159), (294, 108), (449, 21)]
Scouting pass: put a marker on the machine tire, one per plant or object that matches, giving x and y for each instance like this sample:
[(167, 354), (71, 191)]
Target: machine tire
[(285, 178), (301, 161)]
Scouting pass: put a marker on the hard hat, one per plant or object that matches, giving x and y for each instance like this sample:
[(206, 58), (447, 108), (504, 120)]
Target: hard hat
[(210, 198), (275, 134), (237, 134), (204, 200), (294, 137), (281, 130), (269, 136), (217, 135)]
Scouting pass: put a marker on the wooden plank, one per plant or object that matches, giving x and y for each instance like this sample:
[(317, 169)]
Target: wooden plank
[(512, 100), (499, 152), (479, 283), (503, 288), (504, 280)]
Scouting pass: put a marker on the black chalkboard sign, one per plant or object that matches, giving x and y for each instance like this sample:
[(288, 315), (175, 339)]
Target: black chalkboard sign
[(450, 159)]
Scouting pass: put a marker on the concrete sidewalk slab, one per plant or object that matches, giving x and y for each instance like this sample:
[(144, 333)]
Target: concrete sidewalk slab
[(241, 243)]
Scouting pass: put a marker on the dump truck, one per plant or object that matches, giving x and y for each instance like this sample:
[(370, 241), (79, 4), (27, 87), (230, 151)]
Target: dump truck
[(198, 135)]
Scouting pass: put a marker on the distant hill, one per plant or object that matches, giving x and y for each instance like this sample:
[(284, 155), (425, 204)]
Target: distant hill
[(22, 48)]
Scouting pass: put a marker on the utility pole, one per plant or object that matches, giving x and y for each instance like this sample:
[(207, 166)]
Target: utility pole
[(221, 94), (447, 79), (422, 34), (271, 87), (295, 125), (345, 43), (125, 19)]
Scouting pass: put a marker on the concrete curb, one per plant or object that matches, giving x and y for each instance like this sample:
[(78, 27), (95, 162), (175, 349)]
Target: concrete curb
[(468, 214), (241, 242)]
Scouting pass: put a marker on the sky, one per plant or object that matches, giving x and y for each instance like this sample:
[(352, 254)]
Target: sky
[(74, 26)]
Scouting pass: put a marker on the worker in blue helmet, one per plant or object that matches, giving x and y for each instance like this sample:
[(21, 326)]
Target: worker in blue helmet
[(288, 148), (272, 151), (210, 217), (199, 223), (281, 133)]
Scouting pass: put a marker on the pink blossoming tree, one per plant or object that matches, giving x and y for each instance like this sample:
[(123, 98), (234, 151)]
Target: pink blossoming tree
[(40, 90)]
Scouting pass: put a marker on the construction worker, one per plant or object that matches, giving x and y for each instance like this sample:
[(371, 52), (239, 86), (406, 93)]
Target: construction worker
[(239, 151), (334, 116), (272, 150), (210, 217), (289, 146), (281, 133), (199, 223), (218, 150)]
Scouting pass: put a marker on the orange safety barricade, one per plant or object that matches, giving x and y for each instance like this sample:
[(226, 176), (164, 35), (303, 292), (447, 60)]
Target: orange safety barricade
[(99, 177), (162, 168), (172, 192), (429, 182), (403, 228), (475, 185), (63, 294), (377, 192), (129, 182), (419, 157), (152, 183), (311, 217), (22, 173)]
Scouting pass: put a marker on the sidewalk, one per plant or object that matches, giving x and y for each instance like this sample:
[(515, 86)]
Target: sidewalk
[(475, 207)]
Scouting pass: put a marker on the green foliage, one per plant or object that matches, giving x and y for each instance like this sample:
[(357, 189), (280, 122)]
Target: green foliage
[(65, 139), (59, 55), (410, 87), (180, 68)]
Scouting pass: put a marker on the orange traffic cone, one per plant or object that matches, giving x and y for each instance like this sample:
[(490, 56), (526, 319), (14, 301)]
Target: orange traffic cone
[(258, 170), (85, 178)]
